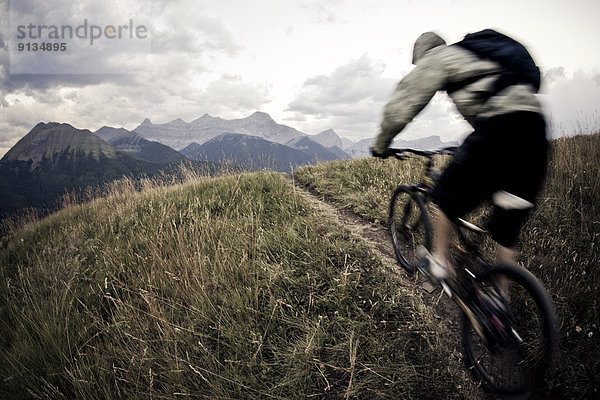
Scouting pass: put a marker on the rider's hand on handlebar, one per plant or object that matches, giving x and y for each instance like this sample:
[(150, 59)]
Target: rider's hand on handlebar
[(385, 154)]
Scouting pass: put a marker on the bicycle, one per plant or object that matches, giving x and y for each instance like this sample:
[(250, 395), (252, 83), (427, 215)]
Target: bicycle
[(509, 344)]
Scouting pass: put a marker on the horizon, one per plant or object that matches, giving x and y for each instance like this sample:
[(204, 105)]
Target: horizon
[(94, 132), (310, 66)]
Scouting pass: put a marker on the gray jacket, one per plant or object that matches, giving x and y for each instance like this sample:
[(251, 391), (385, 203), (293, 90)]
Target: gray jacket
[(438, 65)]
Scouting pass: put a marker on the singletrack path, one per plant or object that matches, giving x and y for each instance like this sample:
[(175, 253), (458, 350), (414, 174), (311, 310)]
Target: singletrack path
[(378, 239), (376, 236)]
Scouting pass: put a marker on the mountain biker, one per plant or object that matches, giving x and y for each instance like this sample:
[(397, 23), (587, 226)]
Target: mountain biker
[(503, 159)]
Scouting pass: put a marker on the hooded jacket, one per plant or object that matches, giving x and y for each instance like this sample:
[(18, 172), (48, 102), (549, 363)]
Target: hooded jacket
[(438, 66)]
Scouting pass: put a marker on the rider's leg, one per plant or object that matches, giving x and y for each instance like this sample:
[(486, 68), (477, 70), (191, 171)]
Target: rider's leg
[(462, 186), (505, 255), (444, 228)]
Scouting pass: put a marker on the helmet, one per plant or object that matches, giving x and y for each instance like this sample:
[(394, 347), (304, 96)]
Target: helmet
[(424, 43)]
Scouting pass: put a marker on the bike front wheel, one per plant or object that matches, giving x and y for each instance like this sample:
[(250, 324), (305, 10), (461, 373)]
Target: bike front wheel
[(514, 347), (409, 226)]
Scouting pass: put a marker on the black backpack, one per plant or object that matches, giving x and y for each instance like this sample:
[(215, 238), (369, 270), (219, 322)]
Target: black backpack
[(518, 65)]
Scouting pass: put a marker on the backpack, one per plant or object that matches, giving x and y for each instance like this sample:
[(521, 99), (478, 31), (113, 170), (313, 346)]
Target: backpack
[(517, 64)]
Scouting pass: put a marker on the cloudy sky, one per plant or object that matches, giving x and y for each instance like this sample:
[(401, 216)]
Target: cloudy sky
[(313, 65)]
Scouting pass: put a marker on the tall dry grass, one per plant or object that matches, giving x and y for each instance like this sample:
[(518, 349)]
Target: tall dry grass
[(560, 245), (227, 287)]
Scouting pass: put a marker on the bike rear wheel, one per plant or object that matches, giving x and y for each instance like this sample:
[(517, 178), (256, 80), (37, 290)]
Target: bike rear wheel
[(518, 349), (409, 226)]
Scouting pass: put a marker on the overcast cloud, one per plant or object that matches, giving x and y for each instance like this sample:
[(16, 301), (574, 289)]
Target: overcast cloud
[(311, 65), (350, 98)]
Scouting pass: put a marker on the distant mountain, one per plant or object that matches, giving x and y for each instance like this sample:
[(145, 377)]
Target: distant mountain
[(328, 139), (426, 143), (178, 134), (136, 146), (339, 153), (315, 150), (346, 143), (333, 143), (363, 147), (360, 148), (108, 133), (53, 159), (52, 142), (248, 152)]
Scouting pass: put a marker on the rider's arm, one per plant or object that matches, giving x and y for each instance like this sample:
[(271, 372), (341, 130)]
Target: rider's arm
[(412, 94)]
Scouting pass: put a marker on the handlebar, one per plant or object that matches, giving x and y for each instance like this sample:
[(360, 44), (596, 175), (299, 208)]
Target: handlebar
[(401, 153)]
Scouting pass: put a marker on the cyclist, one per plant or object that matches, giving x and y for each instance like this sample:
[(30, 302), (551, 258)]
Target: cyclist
[(503, 159)]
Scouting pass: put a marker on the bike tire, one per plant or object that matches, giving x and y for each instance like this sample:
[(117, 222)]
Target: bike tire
[(514, 368), (409, 226)]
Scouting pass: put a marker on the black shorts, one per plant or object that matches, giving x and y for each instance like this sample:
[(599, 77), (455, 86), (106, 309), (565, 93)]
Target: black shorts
[(504, 153)]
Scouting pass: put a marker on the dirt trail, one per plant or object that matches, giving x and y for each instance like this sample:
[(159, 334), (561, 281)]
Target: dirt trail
[(377, 237)]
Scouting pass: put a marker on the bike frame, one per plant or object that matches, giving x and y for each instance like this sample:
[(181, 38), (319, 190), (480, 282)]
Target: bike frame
[(425, 186)]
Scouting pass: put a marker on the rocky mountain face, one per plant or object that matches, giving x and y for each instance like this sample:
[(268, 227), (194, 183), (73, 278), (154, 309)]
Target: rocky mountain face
[(108, 133), (317, 151), (54, 159), (178, 134), (53, 141), (248, 152), (329, 139), (136, 146)]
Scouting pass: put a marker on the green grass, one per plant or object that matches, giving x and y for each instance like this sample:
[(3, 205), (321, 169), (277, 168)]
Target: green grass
[(559, 242), (229, 287)]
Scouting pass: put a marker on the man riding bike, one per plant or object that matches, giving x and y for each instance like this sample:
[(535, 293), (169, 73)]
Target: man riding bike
[(492, 80)]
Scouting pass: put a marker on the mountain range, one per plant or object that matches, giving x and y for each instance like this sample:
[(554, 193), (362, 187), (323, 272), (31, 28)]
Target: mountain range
[(56, 158), (179, 134)]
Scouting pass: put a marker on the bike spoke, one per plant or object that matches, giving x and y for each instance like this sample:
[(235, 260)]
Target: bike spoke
[(409, 226), (515, 349)]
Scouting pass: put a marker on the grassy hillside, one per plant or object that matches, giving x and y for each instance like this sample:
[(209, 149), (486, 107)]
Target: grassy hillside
[(559, 243), (230, 287)]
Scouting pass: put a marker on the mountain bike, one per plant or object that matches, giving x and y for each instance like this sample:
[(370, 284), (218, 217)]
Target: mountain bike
[(509, 339)]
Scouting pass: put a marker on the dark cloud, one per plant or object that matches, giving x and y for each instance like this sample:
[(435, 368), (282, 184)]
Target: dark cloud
[(157, 83), (81, 64), (40, 83), (176, 28), (191, 33)]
